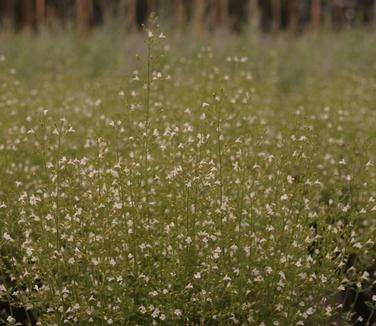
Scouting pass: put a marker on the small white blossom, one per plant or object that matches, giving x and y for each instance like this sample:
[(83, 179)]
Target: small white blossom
[(284, 197), (7, 237)]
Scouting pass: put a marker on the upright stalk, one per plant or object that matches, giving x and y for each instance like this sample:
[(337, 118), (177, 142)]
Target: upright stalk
[(219, 148), (147, 124)]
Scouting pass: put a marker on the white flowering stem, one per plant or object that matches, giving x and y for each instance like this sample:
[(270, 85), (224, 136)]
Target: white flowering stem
[(219, 148)]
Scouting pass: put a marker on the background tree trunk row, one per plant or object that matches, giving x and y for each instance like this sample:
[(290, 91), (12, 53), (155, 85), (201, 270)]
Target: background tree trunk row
[(228, 15)]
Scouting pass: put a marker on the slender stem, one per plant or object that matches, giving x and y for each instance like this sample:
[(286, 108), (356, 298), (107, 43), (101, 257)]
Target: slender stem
[(220, 161), (187, 211), (148, 84), (147, 124), (57, 220), (369, 319), (57, 193)]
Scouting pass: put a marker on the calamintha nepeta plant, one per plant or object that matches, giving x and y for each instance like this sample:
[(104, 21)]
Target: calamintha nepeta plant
[(215, 185)]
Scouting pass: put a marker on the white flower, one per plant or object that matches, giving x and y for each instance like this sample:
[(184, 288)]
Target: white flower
[(226, 278), (155, 313), (7, 237), (309, 311), (358, 245), (29, 251), (178, 312), (142, 309), (189, 286), (2, 288)]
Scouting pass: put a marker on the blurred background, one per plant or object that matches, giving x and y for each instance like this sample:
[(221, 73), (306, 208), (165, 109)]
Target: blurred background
[(194, 16)]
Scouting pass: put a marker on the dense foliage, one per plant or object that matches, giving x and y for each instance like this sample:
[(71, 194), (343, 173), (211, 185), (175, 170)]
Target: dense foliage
[(222, 184)]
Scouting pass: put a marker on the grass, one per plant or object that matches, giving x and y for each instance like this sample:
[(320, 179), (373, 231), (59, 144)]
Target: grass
[(225, 182)]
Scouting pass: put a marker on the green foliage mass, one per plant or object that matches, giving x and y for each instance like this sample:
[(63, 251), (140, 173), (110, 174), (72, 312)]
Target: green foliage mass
[(218, 182)]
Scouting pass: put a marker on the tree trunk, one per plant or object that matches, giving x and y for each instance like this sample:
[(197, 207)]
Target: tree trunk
[(254, 14), (276, 15), (84, 12), (220, 14), (337, 14), (106, 9), (51, 16), (225, 13), (132, 14), (9, 14), (121, 10), (28, 14), (152, 7), (179, 14), (315, 15), (293, 16), (198, 19), (41, 13)]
